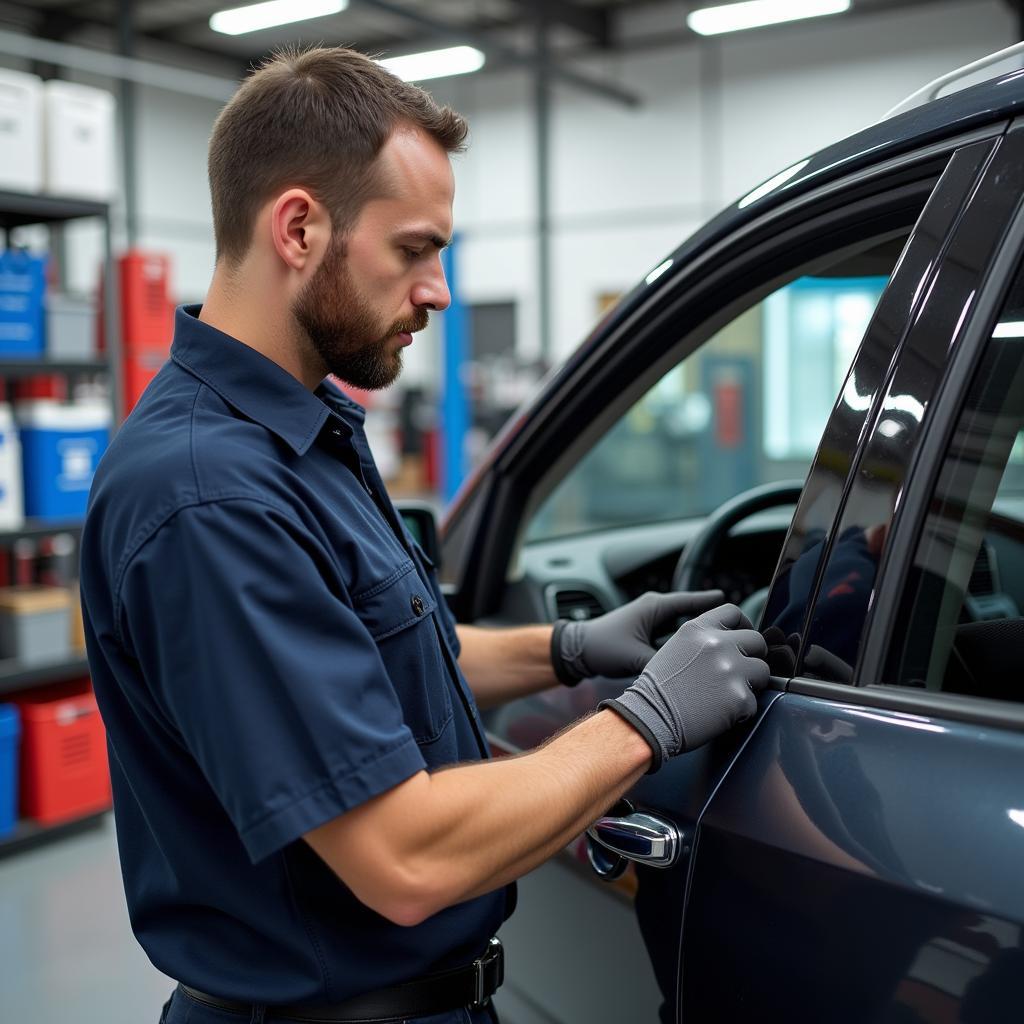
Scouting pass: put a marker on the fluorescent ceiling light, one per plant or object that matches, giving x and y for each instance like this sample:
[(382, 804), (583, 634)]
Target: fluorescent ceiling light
[(239, 20), (417, 67), (712, 21)]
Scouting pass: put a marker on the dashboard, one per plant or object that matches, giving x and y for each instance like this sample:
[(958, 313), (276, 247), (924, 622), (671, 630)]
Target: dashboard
[(586, 575)]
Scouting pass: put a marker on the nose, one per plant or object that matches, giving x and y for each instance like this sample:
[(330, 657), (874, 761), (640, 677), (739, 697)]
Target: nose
[(431, 290)]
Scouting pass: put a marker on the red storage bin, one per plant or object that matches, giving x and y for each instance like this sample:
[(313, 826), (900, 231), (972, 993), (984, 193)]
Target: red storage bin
[(139, 368), (147, 313), (64, 770)]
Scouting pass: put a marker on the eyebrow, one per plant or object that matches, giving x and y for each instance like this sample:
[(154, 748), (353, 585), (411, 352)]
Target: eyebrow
[(427, 236)]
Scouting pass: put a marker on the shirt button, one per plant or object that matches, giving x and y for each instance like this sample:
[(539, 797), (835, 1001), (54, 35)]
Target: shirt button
[(417, 604)]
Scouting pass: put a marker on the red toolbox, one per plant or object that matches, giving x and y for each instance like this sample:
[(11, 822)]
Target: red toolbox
[(64, 770)]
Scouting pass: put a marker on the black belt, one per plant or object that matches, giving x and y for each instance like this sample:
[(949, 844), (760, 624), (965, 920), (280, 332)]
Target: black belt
[(469, 986)]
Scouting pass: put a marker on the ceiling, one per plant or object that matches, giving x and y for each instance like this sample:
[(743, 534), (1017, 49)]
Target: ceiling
[(379, 26)]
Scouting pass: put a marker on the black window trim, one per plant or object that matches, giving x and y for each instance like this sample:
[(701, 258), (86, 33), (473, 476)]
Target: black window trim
[(922, 475)]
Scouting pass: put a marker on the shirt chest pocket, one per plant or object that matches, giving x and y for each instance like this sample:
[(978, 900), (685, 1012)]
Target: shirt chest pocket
[(398, 611)]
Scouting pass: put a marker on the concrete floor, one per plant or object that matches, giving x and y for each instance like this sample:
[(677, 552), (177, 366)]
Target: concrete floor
[(67, 952)]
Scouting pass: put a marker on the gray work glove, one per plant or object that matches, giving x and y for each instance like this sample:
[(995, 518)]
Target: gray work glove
[(701, 683), (619, 644)]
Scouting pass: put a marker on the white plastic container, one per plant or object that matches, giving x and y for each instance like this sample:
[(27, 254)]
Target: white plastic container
[(21, 131), (70, 326), (12, 514), (79, 134)]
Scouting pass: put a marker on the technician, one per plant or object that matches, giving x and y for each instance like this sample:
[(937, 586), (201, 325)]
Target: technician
[(308, 822)]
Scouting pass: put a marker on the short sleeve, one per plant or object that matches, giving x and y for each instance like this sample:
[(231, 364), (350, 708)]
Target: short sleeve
[(246, 637)]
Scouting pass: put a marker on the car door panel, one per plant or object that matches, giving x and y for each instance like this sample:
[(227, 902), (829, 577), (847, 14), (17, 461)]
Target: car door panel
[(838, 875), (869, 854)]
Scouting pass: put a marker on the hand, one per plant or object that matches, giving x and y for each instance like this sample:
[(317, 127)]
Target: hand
[(620, 644), (700, 684)]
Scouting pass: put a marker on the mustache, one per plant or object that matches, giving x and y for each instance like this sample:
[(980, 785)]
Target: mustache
[(417, 322)]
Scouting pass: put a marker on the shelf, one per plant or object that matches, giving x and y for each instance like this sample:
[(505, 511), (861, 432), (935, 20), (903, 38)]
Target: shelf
[(37, 528), (14, 676), (18, 208), (41, 367), (28, 834)]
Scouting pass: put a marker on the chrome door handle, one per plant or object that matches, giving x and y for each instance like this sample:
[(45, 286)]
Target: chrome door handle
[(640, 837)]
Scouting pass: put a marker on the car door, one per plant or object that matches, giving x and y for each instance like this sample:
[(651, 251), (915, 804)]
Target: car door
[(500, 572), (860, 860)]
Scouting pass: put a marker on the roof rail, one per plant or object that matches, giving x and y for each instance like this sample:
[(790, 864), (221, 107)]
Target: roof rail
[(932, 89)]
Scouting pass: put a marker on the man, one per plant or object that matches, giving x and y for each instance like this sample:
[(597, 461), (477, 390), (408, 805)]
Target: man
[(279, 677)]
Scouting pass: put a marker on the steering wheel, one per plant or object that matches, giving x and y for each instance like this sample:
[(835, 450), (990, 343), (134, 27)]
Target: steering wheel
[(698, 556)]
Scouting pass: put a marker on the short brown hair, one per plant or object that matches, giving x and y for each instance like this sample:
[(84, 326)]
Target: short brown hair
[(316, 119)]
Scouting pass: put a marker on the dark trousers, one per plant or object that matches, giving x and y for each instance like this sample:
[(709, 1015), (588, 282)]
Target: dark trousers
[(180, 1009)]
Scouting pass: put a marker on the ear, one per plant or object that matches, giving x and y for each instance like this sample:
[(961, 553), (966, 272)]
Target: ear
[(300, 229)]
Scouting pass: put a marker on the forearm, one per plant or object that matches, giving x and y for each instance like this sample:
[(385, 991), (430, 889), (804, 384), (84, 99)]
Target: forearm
[(502, 664), (463, 831), (500, 819)]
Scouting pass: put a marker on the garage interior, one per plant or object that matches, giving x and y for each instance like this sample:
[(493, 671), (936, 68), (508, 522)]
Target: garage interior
[(602, 134)]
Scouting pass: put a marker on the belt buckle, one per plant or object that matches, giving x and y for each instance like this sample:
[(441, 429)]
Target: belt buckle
[(490, 963)]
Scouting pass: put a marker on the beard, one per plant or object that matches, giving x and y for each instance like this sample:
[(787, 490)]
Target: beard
[(345, 332)]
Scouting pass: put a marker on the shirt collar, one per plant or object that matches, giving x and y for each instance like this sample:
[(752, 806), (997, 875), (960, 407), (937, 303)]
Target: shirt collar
[(251, 383)]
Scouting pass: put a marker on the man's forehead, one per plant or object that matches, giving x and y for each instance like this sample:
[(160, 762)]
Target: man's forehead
[(413, 160)]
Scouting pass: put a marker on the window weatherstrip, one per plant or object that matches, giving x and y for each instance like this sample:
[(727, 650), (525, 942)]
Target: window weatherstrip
[(930, 703)]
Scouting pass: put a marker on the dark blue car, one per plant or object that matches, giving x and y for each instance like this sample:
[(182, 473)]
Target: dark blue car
[(816, 404)]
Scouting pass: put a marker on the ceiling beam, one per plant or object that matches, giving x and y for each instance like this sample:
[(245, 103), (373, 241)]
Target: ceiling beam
[(64, 21), (507, 54), (594, 22), (113, 65), (480, 34)]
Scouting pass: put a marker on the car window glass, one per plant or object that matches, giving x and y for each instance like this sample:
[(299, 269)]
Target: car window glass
[(960, 627), (840, 592), (746, 408), (808, 544)]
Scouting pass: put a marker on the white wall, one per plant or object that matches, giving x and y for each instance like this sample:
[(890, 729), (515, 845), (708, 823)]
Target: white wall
[(626, 185), (719, 117)]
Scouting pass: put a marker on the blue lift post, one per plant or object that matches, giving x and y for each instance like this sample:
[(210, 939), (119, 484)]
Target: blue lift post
[(454, 401)]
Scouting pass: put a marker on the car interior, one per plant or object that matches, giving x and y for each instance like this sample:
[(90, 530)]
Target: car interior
[(695, 485)]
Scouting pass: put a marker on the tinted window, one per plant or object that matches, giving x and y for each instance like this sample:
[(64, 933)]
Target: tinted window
[(823, 593), (747, 408), (961, 624)]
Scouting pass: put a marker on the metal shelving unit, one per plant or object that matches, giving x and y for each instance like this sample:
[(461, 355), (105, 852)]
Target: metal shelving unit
[(28, 834), (16, 677), (20, 210), (39, 528), (33, 367)]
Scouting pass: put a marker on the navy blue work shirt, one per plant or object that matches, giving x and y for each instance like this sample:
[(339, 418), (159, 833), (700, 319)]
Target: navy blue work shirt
[(269, 650)]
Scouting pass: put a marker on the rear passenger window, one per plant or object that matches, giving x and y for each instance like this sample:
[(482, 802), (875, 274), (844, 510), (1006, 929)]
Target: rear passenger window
[(961, 623)]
